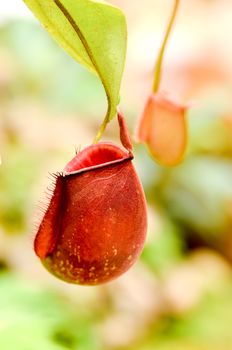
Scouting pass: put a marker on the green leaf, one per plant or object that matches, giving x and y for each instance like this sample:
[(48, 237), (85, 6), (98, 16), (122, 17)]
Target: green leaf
[(94, 33)]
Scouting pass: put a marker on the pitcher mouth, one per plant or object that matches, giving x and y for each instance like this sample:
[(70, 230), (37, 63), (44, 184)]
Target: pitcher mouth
[(96, 156)]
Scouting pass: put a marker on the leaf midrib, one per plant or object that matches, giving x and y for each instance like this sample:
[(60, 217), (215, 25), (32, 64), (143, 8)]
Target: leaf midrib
[(84, 42), (60, 33)]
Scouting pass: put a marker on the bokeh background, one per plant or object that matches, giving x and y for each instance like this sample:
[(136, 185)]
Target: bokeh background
[(179, 295)]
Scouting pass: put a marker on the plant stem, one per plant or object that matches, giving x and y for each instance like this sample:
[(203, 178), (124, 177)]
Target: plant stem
[(158, 66), (100, 132), (103, 126)]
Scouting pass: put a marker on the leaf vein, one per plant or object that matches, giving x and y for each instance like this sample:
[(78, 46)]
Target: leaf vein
[(84, 42)]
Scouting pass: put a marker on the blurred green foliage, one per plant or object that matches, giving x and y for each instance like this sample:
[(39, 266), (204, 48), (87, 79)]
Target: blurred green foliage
[(32, 318), (201, 328), (16, 178)]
